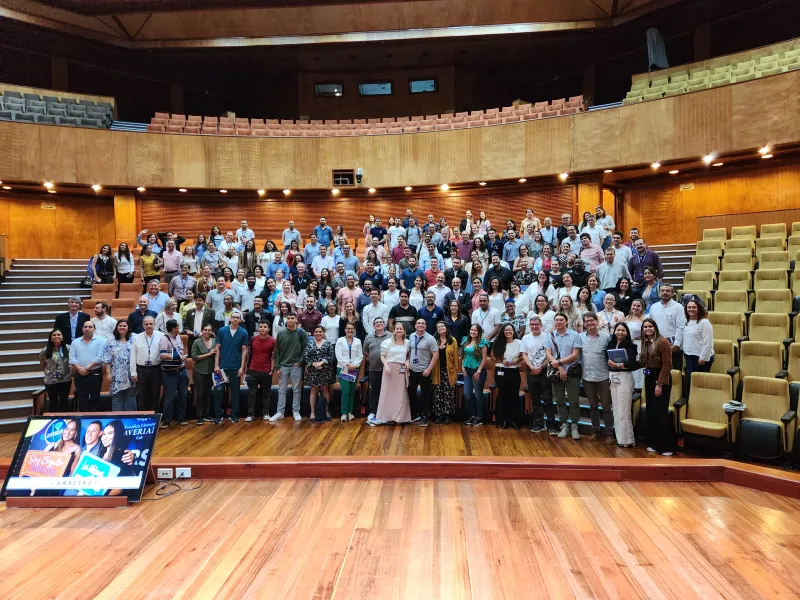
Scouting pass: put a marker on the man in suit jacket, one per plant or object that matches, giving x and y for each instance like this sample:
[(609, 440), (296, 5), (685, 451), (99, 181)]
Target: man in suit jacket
[(71, 322), (207, 317), (457, 293)]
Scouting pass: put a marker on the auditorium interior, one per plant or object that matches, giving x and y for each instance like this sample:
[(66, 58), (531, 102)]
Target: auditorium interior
[(678, 120)]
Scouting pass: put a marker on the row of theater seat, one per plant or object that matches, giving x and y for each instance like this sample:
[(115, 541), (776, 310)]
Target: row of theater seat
[(166, 123), (52, 110), (723, 73)]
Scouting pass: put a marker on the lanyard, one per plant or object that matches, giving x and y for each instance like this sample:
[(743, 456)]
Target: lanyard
[(416, 345), (149, 345), (641, 259), (349, 349)]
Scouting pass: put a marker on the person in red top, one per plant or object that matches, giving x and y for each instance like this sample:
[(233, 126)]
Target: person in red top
[(398, 252), (309, 317), (430, 274), (259, 374)]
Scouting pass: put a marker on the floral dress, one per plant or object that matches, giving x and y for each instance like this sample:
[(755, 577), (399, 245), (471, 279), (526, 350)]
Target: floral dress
[(314, 353), (444, 394), (118, 355)]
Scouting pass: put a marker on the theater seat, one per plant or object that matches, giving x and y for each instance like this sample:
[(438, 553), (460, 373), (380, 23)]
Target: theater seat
[(727, 326), (726, 361), (772, 244), (106, 291), (675, 396), (770, 279), (714, 247), (794, 363), (744, 232), (739, 246), (735, 280), (767, 425), (731, 301), (704, 416), (122, 307), (773, 230), (705, 262), (774, 301), (699, 280), (774, 260), (761, 359), (737, 262), (720, 234)]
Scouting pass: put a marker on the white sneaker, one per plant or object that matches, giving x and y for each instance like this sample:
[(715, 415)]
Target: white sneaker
[(249, 419), (649, 449), (564, 431), (297, 416), (276, 417), (266, 417), (575, 433), (350, 417), (666, 454), (344, 417), (370, 417)]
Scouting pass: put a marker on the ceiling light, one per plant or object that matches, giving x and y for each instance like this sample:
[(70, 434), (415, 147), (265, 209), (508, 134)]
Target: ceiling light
[(287, 192), (674, 172), (764, 150), (96, 187), (48, 185), (708, 159), (6, 187), (261, 192), (608, 171), (655, 165), (717, 165), (335, 191), (563, 176), (140, 189), (182, 190), (408, 188), (522, 180), (766, 156), (51, 191), (444, 187), (223, 191), (372, 190), (481, 183)]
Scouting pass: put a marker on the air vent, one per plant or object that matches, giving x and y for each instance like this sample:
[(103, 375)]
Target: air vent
[(342, 177)]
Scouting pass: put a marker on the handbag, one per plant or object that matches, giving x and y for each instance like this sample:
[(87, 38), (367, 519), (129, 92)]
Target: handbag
[(574, 370)]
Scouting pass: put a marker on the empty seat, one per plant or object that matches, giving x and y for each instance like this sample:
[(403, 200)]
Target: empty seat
[(774, 260), (794, 363), (709, 247), (796, 278), (772, 230), (85, 122), (772, 328), (770, 244), (728, 301), (770, 69), (679, 76), (89, 103), (705, 262), (122, 307), (761, 359), (36, 110), (744, 232), (720, 234), (699, 83), (774, 301), (11, 94), (726, 359), (18, 116), (770, 279), (6, 115), (151, 128), (194, 119), (210, 121), (704, 415), (192, 129), (793, 246), (698, 281), (675, 89), (727, 326), (511, 119), (767, 425), (737, 262), (45, 119), (735, 280), (739, 246)]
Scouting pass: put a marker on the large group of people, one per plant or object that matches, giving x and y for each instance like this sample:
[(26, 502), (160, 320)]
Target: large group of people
[(424, 306)]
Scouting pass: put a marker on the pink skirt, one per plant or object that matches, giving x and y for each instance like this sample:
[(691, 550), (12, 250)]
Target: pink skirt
[(393, 401)]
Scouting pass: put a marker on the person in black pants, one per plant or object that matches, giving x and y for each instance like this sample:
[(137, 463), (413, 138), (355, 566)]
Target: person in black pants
[(54, 359), (656, 358), (372, 352), (423, 355), (86, 361), (506, 352), (535, 357)]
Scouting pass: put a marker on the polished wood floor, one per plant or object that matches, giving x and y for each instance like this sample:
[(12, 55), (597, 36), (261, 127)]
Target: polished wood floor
[(417, 539), (356, 438)]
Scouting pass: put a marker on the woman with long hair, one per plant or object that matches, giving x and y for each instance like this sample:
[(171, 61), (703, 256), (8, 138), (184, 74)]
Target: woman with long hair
[(584, 221), (151, 239), (124, 263), (200, 246), (416, 297), (624, 295), (477, 290), (474, 351), (319, 358), (206, 282), (367, 230), (312, 289), (606, 225), (455, 320), (267, 255), (567, 289), (279, 323), (656, 358), (564, 252), (634, 322), (393, 404), (150, 264), (621, 382), (598, 294), (545, 260), (524, 254), (566, 307), (330, 322), (216, 236), (340, 237), (543, 286), (507, 356), (445, 375), (497, 295), (261, 281), (169, 312), (103, 268), (287, 294), (112, 442), (651, 292), (325, 278), (189, 259), (70, 442), (484, 225), (698, 342), (479, 247), (327, 297), (117, 360), (54, 359), (584, 302), (239, 285), (248, 257), (541, 308), (280, 276), (535, 246), (349, 315), (228, 277)]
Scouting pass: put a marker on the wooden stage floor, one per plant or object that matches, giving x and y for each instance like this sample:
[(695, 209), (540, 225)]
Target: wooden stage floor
[(417, 539)]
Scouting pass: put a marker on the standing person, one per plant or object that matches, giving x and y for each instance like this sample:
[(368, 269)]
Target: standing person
[(54, 359), (150, 264), (656, 358), (287, 361), (634, 322), (256, 316), (86, 362), (563, 347), (445, 375), (621, 384), (459, 295), (117, 359), (474, 349), (507, 356), (671, 320), (590, 252), (319, 357), (175, 377), (204, 351), (168, 315), (178, 286), (123, 263), (596, 385), (330, 323), (403, 313), (259, 370), (289, 234), (102, 266), (172, 261), (611, 271), (349, 355), (534, 356), (310, 317), (156, 299), (393, 403), (698, 342), (70, 323), (609, 316), (606, 225), (232, 359), (146, 365), (375, 366), (487, 317), (374, 310), (430, 312), (622, 253), (641, 258), (455, 321), (424, 354)]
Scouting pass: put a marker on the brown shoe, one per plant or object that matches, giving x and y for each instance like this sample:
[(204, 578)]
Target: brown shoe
[(611, 440), (592, 438)]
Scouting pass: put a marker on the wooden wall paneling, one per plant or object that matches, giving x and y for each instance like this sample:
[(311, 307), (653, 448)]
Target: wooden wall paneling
[(609, 204), (776, 100), (590, 195), (646, 132), (701, 122), (53, 156), (596, 140), (125, 217), (504, 152), (548, 146)]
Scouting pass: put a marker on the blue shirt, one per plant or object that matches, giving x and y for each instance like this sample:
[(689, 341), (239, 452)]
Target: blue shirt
[(73, 325), (273, 267), (310, 251), (288, 235), (413, 235), (408, 276), (157, 304), (83, 354), (379, 232), (230, 347), (566, 343), (511, 251), (135, 320), (432, 317), (351, 264), (324, 234), (376, 278)]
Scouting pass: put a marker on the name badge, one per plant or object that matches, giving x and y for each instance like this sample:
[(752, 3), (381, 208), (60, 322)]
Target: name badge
[(415, 361), (57, 374), (148, 363), (402, 368)]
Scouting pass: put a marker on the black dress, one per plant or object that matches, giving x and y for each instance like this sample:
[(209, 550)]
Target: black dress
[(314, 353)]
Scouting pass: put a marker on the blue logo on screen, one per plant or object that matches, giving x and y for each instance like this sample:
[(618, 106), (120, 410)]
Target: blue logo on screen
[(52, 434)]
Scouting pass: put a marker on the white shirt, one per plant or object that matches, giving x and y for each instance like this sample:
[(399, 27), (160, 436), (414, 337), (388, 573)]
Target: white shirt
[(197, 326), (393, 233), (145, 349), (394, 353), (440, 293), (513, 350), (345, 354), (391, 299), (372, 312), (331, 327), (224, 246), (594, 233), (698, 339), (487, 320), (622, 255), (671, 320), (320, 263), (105, 328), (243, 235), (533, 346)]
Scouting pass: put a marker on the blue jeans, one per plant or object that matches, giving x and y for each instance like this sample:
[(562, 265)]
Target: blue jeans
[(175, 384), (295, 374), (235, 385), (124, 400), (473, 394)]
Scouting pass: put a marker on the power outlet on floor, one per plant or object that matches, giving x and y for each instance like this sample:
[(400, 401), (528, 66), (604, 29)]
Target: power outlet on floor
[(164, 473), (183, 473)]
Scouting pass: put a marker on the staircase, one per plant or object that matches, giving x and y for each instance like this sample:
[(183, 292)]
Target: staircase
[(33, 293), (676, 259)]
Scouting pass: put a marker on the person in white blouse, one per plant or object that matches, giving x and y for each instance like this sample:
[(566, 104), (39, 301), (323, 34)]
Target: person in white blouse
[(330, 323), (606, 225), (567, 290), (348, 357), (609, 316), (391, 297), (698, 342)]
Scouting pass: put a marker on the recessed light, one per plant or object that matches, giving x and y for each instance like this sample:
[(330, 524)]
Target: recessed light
[(408, 188), (481, 183), (717, 165), (335, 191), (674, 172), (372, 190), (444, 187), (182, 190), (287, 192), (48, 185), (522, 180), (708, 159), (608, 171), (96, 187), (140, 189), (655, 165), (223, 191), (51, 191), (766, 156), (6, 187), (563, 176), (261, 192), (764, 150)]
